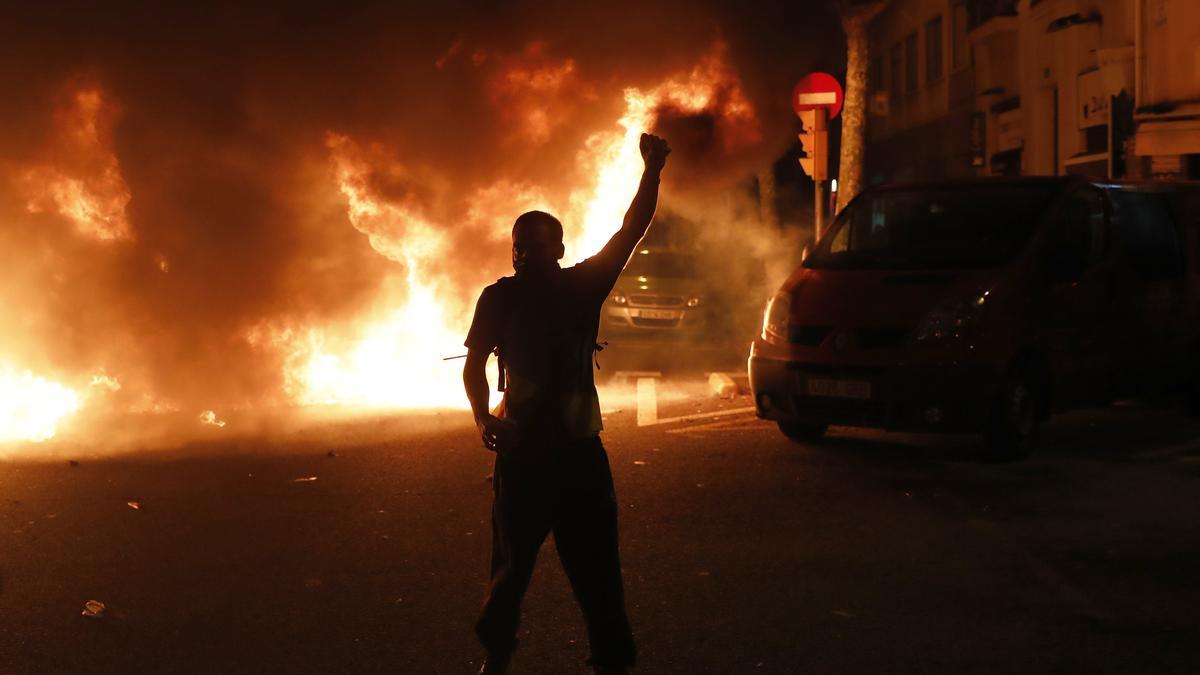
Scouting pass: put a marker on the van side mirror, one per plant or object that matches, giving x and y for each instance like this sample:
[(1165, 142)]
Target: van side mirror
[(1064, 264)]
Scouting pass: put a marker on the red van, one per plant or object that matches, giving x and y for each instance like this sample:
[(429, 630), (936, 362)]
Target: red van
[(985, 306)]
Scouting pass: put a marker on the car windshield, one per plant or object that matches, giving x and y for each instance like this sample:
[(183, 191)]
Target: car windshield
[(648, 263), (963, 227)]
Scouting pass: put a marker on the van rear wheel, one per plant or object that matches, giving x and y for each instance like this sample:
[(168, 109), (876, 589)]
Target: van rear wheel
[(803, 432), (1014, 422)]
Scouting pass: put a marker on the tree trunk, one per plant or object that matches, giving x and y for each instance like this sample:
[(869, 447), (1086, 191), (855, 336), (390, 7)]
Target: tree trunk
[(766, 198), (854, 115), (856, 19)]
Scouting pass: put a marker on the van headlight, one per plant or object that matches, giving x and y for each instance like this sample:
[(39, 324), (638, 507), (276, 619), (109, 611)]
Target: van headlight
[(952, 320), (775, 319), (619, 299)]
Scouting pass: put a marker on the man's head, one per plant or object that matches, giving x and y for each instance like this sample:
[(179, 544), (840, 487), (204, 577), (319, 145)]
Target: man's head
[(537, 240)]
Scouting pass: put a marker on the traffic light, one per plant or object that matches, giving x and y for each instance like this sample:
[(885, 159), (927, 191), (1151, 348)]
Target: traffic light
[(814, 142)]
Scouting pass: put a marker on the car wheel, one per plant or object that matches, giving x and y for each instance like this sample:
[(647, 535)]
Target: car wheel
[(1014, 422), (803, 432)]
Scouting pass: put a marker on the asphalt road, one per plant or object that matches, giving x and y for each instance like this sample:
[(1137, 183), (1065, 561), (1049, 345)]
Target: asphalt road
[(743, 552)]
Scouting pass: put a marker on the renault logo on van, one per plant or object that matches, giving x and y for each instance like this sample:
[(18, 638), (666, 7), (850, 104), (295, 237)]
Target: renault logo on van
[(841, 341)]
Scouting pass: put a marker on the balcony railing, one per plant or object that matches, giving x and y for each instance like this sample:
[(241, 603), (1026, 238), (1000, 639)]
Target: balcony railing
[(982, 11)]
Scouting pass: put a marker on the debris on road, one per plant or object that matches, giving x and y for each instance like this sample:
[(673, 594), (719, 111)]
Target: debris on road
[(93, 609), (209, 417), (723, 385), (135, 505), (72, 462), (638, 462), (304, 479), (332, 453)]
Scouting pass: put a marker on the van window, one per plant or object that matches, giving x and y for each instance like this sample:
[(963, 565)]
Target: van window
[(1082, 225), (1142, 223), (933, 227)]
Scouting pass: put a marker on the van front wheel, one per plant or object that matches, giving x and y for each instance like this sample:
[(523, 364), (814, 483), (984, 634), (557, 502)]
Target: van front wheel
[(1013, 426)]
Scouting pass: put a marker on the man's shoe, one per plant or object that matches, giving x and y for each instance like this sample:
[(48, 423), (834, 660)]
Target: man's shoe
[(495, 664)]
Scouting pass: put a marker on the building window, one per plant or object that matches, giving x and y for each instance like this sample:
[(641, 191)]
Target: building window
[(961, 48), (933, 50), (896, 74), (911, 64)]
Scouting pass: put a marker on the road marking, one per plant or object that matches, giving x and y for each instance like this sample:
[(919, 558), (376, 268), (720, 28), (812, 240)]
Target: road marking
[(647, 401), (1052, 581), (723, 424), (705, 415)]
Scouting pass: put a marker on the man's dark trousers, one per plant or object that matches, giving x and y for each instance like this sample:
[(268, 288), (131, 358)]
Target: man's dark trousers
[(566, 489)]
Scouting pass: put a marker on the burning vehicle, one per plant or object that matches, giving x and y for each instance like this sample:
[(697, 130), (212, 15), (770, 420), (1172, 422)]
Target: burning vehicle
[(659, 296)]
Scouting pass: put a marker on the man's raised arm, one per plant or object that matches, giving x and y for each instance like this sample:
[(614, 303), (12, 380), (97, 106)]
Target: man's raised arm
[(616, 252)]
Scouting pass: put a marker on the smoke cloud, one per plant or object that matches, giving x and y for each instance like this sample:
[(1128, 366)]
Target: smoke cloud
[(173, 200)]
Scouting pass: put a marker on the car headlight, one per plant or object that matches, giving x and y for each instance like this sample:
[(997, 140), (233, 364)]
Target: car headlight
[(619, 299), (775, 319), (693, 301), (952, 320)]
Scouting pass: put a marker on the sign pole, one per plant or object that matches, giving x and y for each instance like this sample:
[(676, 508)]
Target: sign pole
[(820, 198)]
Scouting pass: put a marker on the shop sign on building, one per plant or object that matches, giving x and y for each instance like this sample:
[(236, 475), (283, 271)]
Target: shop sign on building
[(1008, 130), (1093, 100)]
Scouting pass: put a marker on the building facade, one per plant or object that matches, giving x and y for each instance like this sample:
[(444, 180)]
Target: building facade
[(922, 93), (1105, 88)]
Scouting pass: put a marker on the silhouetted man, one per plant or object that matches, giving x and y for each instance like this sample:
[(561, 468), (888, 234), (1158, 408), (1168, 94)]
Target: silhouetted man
[(552, 473)]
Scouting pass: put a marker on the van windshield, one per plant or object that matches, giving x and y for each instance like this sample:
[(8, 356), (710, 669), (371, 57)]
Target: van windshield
[(945, 227)]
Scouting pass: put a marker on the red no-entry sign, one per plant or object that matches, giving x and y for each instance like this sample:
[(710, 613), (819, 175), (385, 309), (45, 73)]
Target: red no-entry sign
[(818, 90)]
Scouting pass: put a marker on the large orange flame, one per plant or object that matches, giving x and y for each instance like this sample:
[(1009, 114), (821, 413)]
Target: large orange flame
[(614, 158), (83, 181), (32, 407), (396, 360), (79, 179), (391, 357)]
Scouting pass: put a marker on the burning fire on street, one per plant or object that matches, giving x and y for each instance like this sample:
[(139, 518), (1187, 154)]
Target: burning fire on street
[(397, 360), (382, 249)]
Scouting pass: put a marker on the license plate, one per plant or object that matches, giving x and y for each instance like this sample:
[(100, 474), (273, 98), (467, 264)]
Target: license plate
[(657, 314), (839, 388)]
